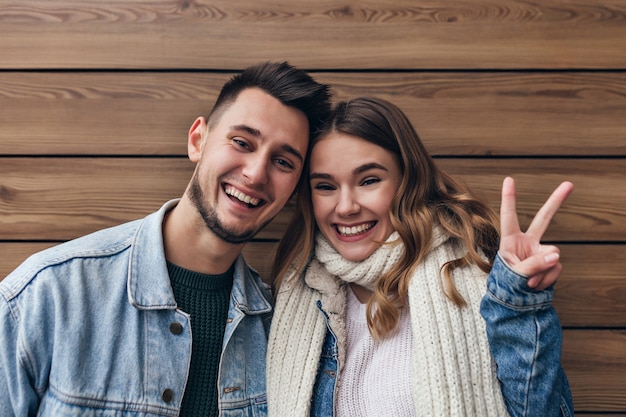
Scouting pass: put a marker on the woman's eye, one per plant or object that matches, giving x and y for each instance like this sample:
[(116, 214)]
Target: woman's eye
[(323, 187), (371, 180)]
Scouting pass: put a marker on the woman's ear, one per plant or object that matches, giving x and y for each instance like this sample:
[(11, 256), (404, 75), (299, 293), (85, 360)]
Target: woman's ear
[(195, 139)]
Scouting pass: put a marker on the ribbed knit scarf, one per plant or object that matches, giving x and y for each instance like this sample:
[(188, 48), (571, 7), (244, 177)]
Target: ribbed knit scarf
[(453, 371), (364, 273)]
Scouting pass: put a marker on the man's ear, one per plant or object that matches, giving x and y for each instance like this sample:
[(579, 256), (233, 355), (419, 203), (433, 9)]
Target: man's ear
[(195, 139)]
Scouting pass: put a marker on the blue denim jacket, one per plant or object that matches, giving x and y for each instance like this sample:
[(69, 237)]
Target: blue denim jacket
[(525, 339), (85, 331)]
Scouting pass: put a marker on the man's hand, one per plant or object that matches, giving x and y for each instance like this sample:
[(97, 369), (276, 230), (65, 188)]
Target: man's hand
[(524, 251)]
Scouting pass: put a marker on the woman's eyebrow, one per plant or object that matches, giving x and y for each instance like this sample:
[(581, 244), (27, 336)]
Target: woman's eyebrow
[(358, 170), (317, 175), (367, 167)]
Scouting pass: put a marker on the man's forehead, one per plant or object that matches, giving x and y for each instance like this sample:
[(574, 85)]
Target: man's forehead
[(262, 115)]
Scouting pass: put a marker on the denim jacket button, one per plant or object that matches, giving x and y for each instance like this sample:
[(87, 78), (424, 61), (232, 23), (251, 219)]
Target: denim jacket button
[(176, 328), (167, 395)]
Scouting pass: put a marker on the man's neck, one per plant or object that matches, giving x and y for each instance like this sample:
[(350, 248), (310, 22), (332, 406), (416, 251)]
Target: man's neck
[(194, 248)]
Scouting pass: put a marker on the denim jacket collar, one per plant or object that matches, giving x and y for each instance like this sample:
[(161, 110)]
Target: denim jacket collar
[(154, 292), (150, 292), (246, 293)]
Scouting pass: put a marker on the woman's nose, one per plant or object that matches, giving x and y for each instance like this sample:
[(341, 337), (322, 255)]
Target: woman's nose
[(347, 204)]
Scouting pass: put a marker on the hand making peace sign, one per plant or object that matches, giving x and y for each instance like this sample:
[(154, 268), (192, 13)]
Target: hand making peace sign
[(523, 251)]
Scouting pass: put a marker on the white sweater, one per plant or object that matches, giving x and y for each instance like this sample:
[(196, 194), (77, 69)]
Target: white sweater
[(376, 376)]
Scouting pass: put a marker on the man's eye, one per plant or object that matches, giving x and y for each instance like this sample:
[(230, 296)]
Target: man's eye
[(240, 143), (284, 163)]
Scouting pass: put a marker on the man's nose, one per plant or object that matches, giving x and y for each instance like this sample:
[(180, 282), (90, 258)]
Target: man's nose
[(256, 169)]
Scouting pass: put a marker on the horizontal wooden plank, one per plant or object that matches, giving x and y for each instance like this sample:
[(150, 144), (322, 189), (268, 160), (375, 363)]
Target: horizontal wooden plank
[(595, 363), (102, 113), (61, 198), (587, 414), (260, 256), (592, 213), (487, 113), (14, 253), (592, 287), (313, 34)]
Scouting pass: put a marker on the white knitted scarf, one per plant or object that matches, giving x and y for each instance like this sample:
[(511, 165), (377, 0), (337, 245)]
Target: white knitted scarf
[(366, 272), (453, 371)]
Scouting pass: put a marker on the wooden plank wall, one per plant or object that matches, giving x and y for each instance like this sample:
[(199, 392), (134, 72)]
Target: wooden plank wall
[(96, 98)]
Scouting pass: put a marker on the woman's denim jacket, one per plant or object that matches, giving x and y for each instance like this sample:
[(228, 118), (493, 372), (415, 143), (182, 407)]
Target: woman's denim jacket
[(525, 339), (90, 328)]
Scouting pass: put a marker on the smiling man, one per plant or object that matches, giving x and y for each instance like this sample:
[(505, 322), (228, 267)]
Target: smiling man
[(162, 316)]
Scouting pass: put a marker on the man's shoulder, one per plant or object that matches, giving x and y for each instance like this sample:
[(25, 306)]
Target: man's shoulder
[(103, 243)]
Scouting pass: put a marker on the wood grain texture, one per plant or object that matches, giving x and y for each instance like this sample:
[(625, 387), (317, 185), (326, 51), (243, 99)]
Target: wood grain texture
[(59, 199), (488, 114), (595, 362), (14, 253), (591, 291), (591, 212), (260, 256), (96, 99), (313, 34)]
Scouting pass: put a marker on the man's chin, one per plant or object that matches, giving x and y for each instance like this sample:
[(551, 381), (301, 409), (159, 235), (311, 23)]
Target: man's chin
[(234, 236), (238, 237)]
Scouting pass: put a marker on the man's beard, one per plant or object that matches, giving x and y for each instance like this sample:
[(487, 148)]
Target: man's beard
[(209, 215)]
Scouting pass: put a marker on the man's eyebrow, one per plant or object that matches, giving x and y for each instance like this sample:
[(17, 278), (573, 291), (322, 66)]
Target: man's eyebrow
[(293, 151), (257, 134), (248, 129)]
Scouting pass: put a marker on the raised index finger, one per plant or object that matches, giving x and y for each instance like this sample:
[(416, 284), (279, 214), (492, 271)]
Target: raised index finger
[(544, 216), (509, 223)]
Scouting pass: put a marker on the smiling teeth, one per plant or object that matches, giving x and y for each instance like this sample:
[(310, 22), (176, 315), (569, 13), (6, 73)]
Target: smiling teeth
[(233, 192), (355, 230)]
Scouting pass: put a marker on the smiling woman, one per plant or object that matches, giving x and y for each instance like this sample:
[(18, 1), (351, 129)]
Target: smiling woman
[(351, 196), (381, 305)]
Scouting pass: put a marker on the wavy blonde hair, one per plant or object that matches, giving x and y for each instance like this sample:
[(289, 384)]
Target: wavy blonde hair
[(426, 197)]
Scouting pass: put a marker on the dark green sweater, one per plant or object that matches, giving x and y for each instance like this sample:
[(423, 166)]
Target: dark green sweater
[(205, 298)]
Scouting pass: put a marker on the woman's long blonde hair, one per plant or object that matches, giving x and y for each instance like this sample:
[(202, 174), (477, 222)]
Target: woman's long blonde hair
[(426, 197)]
